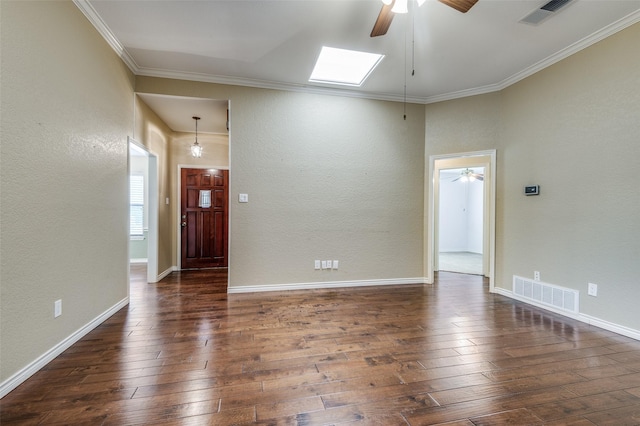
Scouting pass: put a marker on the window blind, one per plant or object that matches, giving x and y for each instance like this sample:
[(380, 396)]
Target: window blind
[(136, 204)]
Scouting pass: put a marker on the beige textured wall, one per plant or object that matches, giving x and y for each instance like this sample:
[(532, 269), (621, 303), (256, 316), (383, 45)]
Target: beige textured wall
[(67, 108), (327, 177), (573, 129), (155, 135), (215, 150)]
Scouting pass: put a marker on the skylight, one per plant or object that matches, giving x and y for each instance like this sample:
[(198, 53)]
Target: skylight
[(346, 67)]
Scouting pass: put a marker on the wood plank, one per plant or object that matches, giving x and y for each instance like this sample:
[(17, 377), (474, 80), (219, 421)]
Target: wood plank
[(186, 352)]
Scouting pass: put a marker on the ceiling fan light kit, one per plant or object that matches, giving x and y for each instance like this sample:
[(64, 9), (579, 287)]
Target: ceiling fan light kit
[(468, 175), (391, 7), (400, 6)]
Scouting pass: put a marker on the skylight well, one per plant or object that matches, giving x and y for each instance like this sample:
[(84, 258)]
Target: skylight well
[(344, 67)]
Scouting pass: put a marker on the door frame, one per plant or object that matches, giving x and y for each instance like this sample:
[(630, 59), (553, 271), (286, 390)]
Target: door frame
[(153, 196), (178, 210), (464, 159)]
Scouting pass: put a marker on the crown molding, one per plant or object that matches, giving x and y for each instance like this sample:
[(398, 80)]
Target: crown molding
[(576, 47), (115, 44), (592, 39), (106, 33), (274, 85)]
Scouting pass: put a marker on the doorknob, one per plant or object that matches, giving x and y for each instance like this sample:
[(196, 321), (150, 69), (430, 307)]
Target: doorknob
[(184, 224), (184, 220)]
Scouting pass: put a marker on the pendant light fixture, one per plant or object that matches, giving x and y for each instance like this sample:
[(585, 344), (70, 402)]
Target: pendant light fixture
[(196, 148)]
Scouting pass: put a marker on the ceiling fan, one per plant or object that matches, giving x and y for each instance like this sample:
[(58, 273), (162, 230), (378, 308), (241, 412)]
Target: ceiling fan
[(391, 7), (467, 175)]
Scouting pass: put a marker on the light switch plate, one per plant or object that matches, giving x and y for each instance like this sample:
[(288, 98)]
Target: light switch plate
[(532, 190), (243, 198)]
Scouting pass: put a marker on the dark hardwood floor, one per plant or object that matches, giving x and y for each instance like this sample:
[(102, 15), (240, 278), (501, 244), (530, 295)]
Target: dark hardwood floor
[(186, 352)]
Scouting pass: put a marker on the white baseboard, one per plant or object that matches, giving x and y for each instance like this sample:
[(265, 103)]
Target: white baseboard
[(167, 272), (616, 328), (588, 319), (138, 260), (326, 284), (14, 381)]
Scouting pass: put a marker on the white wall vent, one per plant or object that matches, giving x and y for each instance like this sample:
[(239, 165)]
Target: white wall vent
[(562, 298), (545, 11)]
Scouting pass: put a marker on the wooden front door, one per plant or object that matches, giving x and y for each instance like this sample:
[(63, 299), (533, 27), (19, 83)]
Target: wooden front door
[(204, 217)]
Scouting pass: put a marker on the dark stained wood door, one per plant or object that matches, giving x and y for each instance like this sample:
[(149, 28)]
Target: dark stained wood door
[(204, 218)]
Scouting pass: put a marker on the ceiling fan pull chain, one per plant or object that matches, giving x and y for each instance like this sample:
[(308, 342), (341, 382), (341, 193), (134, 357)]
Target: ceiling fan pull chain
[(413, 44), (404, 105)]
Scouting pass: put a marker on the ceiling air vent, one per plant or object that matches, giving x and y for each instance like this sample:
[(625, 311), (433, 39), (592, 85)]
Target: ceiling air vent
[(545, 11)]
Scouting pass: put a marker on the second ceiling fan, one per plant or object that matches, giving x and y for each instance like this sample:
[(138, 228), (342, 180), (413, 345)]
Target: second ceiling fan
[(391, 7)]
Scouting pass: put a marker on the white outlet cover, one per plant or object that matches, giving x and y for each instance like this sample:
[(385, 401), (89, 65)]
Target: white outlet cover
[(243, 198)]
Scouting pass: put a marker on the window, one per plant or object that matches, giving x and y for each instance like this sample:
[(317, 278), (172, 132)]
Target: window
[(348, 67), (136, 205)]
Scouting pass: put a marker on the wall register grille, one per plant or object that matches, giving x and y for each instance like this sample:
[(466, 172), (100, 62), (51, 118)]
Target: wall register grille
[(562, 298)]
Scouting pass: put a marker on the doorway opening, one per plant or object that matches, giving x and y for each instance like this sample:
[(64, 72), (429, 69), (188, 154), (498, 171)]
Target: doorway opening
[(441, 214), (143, 209), (204, 217), (461, 218)]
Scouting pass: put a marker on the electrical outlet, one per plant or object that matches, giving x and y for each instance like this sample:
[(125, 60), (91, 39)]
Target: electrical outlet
[(592, 290), (317, 264), (335, 264), (57, 308), (324, 264), (536, 275), (329, 264)]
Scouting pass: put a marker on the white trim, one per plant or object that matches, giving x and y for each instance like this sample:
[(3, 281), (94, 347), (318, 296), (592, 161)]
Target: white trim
[(165, 273), (429, 238), (152, 206), (153, 217), (106, 33), (115, 44), (19, 377), (138, 260), (587, 319), (325, 284), (616, 328), (263, 84)]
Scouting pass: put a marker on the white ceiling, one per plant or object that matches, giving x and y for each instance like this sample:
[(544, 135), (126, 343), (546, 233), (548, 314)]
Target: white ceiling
[(177, 112), (274, 43)]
